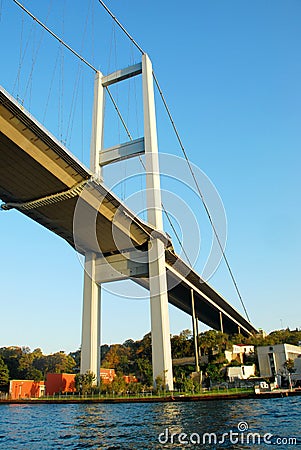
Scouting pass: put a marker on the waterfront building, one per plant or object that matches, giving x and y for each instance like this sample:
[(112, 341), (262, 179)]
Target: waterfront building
[(240, 372), (60, 383), (107, 375), (26, 389), (239, 352), (271, 358), (296, 376)]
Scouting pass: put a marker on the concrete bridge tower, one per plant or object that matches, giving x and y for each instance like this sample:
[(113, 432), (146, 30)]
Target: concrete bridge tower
[(93, 278)]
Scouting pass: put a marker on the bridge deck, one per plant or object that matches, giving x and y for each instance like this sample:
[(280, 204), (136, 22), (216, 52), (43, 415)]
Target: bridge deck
[(35, 165)]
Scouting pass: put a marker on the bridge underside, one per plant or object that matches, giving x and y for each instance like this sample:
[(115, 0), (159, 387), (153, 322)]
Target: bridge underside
[(34, 166)]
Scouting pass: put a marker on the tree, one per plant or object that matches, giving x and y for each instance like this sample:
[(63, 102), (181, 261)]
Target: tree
[(159, 384), (129, 343), (144, 347), (118, 385), (4, 374), (181, 345), (35, 374), (112, 358), (58, 363), (188, 385), (76, 357), (234, 363), (144, 371), (27, 368), (84, 382), (11, 357), (213, 372), (25, 364), (289, 365), (134, 387), (213, 341), (103, 351)]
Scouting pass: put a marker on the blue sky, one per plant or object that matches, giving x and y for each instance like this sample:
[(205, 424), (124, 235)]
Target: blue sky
[(231, 74)]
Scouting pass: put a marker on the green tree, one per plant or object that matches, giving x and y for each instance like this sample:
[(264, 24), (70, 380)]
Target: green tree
[(129, 343), (289, 365), (159, 384), (118, 385), (76, 357), (144, 371), (181, 345), (234, 363), (144, 347), (112, 358), (25, 364), (35, 374), (84, 382), (134, 387), (119, 357), (103, 351), (11, 357), (212, 341), (4, 374), (58, 363), (188, 385), (214, 373)]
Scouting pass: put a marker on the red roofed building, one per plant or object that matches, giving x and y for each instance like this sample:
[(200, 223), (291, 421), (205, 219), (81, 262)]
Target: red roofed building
[(130, 379), (26, 389), (60, 383), (107, 375)]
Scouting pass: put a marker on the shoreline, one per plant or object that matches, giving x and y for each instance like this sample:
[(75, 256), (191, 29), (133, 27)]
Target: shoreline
[(168, 398)]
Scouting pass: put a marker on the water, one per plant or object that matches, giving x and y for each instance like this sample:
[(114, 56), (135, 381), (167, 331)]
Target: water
[(138, 426)]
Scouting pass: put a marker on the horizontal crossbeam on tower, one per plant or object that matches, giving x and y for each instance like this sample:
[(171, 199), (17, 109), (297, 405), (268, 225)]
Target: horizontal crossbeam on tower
[(121, 75), (121, 152), (131, 264)]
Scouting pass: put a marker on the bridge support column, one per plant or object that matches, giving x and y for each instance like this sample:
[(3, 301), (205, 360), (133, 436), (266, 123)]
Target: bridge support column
[(90, 348), (195, 333), (97, 125), (161, 348), (221, 321)]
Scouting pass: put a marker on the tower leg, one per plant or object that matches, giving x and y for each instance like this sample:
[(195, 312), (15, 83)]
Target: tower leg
[(161, 348), (90, 348), (195, 333), (221, 321)]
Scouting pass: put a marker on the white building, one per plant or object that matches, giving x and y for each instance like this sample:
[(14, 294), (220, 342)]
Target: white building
[(271, 358), (240, 372), (297, 365), (238, 351), (296, 376)]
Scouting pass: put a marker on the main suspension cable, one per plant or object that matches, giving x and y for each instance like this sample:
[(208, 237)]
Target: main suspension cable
[(55, 36), (121, 26), (63, 43), (200, 194)]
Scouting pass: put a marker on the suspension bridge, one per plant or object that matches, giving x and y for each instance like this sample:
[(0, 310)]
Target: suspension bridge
[(42, 179)]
